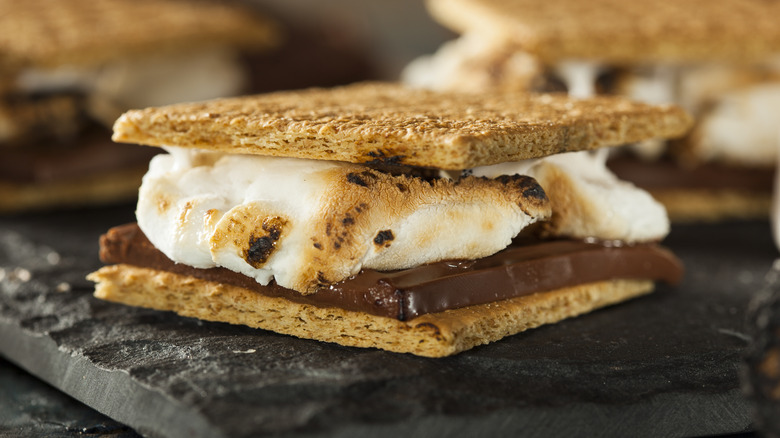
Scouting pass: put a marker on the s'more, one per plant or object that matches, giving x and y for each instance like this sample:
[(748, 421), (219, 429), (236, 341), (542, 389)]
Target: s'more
[(376, 215), (718, 59), (69, 68)]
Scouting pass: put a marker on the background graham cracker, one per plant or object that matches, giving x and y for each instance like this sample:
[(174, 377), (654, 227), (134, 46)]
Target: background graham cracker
[(44, 33), (622, 32)]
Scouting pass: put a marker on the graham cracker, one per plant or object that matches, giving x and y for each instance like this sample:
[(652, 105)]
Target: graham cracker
[(433, 335), (392, 124), (713, 205), (43, 33), (622, 32)]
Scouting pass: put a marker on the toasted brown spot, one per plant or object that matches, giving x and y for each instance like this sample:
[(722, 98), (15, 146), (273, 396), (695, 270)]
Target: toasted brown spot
[(354, 178), (198, 160), (362, 179), (384, 236), (317, 245), (211, 217), (348, 220), (259, 250), (381, 158), (434, 329), (527, 186), (402, 187), (262, 246), (321, 279), (185, 212), (163, 203)]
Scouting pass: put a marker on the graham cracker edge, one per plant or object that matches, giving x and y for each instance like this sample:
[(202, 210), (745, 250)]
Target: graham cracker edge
[(705, 205), (432, 335)]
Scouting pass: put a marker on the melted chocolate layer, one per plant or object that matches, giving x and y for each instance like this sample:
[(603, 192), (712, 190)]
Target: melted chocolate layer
[(665, 174), (523, 268), (89, 154)]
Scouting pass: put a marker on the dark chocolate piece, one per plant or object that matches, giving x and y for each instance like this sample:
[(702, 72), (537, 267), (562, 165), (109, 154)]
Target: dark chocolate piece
[(524, 268)]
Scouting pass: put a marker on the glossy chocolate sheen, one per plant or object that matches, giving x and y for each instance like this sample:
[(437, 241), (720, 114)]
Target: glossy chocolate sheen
[(664, 174), (523, 268)]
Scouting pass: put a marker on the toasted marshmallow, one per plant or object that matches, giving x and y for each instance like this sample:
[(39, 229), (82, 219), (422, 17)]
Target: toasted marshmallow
[(589, 201), (460, 65), (579, 77), (309, 223), (143, 81), (743, 127), (737, 108), (737, 112)]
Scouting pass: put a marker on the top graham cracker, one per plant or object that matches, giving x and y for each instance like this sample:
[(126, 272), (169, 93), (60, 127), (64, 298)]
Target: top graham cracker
[(47, 33), (623, 31), (391, 124)]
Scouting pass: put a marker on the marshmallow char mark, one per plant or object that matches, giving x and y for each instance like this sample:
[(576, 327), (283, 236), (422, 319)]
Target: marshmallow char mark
[(262, 246), (307, 224), (367, 220), (384, 237)]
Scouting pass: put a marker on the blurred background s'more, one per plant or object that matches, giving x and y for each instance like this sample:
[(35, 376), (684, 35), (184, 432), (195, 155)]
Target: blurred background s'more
[(69, 68)]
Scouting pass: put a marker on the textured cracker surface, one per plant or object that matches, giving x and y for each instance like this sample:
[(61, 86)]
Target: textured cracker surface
[(385, 122), (620, 31), (50, 33), (433, 335)]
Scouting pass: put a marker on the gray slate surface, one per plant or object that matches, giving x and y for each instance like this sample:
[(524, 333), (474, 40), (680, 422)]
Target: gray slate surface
[(666, 364), (31, 408)]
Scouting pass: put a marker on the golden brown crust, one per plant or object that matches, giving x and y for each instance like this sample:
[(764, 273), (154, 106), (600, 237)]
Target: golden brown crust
[(95, 189), (433, 335), (623, 32), (45, 33), (703, 205), (384, 122)]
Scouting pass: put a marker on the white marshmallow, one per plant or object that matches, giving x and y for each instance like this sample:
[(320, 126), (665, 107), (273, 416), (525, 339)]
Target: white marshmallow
[(203, 208), (143, 81), (743, 127), (460, 65), (622, 211)]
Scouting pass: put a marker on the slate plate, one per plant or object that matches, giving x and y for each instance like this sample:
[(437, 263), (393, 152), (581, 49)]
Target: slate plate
[(31, 408), (665, 364)]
